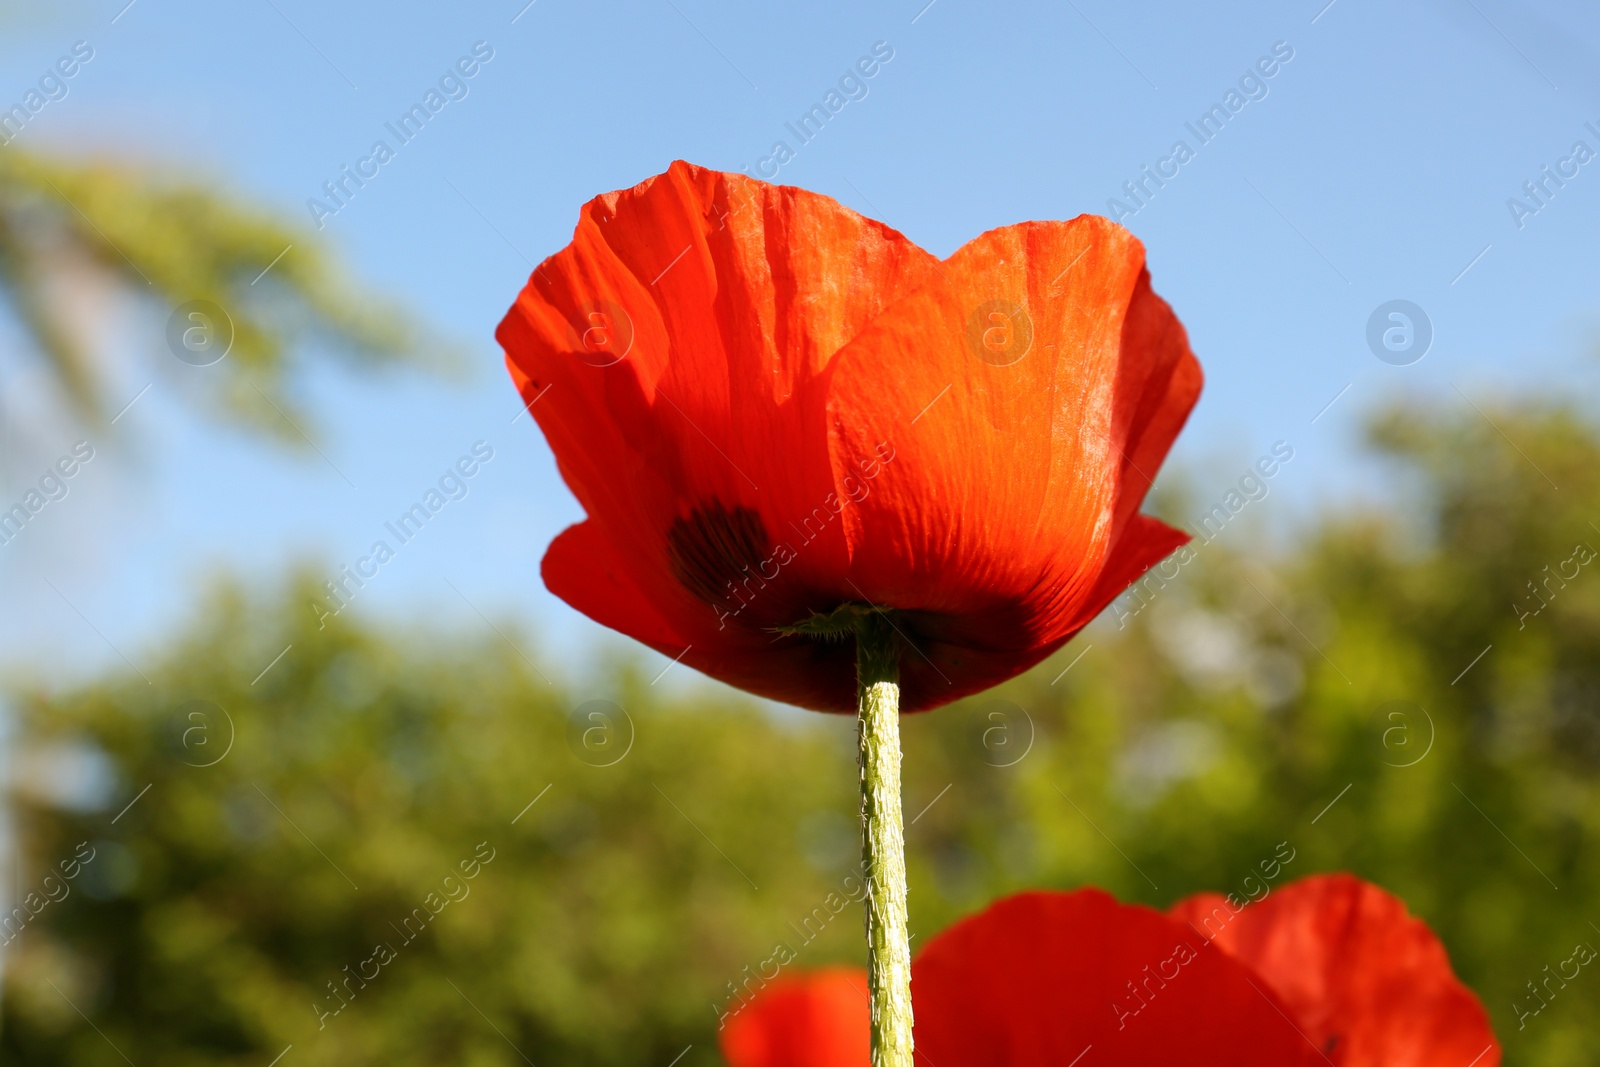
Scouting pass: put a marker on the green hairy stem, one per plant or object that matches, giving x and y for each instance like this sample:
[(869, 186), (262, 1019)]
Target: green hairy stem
[(883, 846)]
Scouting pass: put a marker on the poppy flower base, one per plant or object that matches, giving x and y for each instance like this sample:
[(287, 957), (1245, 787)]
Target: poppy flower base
[(883, 846)]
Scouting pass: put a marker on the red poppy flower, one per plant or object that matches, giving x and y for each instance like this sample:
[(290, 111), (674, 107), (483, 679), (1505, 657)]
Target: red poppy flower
[(816, 1020), (1329, 970), (770, 406)]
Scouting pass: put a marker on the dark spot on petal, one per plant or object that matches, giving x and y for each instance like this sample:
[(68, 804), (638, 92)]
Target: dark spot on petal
[(717, 547)]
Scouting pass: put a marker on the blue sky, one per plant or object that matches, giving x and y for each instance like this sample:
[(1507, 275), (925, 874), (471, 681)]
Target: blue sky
[(1376, 166)]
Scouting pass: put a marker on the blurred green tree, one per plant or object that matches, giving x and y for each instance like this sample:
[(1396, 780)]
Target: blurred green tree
[(1380, 694), (170, 242), (219, 916)]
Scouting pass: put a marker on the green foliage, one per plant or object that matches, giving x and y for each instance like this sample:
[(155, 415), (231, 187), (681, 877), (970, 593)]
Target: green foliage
[(169, 241), (363, 771), (1315, 698)]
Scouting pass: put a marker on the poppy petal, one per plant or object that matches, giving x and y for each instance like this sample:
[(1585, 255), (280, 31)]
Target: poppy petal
[(1144, 543), (1156, 391), (1040, 979), (580, 554), (582, 568), (672, 356), (1363, 978), (819, 1019), (1037, 383)]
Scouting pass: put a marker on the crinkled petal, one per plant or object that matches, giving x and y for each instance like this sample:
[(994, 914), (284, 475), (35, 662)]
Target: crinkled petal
[(1366, 981), (1041, 979)]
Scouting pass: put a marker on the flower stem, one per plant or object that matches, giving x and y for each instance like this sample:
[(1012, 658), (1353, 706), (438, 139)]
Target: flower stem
[(883, 847)]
